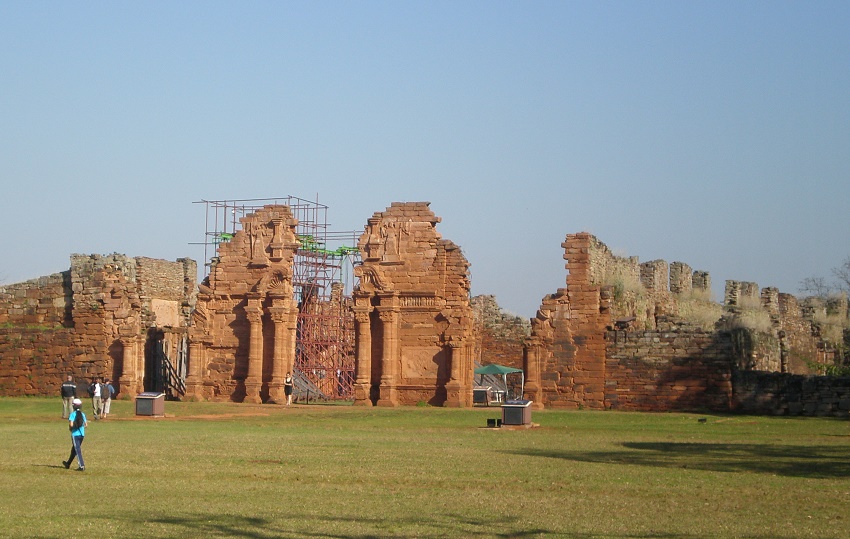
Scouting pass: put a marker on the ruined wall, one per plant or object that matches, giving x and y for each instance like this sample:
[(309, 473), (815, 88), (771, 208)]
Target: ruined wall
[(35, 335), (565, 357), (414, 324), (668, 345), (774, 332), (242, 339), (676, 367), (168, 291), (86, 322), (499, 336), (773, 393)]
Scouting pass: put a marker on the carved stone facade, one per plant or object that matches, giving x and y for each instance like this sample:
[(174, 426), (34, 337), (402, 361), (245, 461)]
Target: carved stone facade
[(413, 320), (242, 340)]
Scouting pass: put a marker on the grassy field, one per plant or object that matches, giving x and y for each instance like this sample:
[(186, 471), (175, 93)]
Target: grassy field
[(323, 471)]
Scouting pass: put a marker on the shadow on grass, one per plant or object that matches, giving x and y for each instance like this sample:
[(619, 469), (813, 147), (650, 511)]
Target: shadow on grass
[(815, 462), (286, 526), (329, 526)]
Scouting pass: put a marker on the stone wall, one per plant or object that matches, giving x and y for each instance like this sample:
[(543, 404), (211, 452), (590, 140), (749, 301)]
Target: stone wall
[(668, 346), (413, 321), (565, 356), (772, 393), (676, 367), (45, 301), (499, 336), (86, 322), (775, 332), (35, 356)]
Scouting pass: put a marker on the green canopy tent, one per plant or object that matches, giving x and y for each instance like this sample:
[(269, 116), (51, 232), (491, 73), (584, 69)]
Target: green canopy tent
[(502, 371)]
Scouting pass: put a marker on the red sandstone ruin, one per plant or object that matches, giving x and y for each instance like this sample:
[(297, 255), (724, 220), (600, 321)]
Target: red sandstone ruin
[(619, 335), (243, 327), (414, 321), (602, 343)]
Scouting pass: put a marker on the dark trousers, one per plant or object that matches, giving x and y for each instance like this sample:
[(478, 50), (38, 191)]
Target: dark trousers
[(77, 451)]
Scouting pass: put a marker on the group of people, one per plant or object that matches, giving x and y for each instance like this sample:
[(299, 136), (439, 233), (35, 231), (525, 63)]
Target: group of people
[(100, 391)]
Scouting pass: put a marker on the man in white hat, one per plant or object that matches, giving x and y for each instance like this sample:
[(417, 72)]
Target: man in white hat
[(77, 424)]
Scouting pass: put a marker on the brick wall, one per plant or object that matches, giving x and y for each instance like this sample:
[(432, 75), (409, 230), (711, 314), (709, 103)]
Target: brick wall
[(773, 393), (672, 368), (73, 323)]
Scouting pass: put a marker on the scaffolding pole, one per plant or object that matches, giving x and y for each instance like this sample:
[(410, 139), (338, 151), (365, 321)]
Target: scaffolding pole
[(323, 280)]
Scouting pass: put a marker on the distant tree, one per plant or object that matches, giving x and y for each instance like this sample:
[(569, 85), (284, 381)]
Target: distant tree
[(842, 273), (820, 287), (816, 286)]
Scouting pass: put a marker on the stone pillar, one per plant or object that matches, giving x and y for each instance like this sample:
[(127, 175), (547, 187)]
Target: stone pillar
[(732, 293), (292, 327), (655, 276), (453, 386), (701, 280), (280, 317), (533, 390), (194, 379), (254, 380), (389, 361), (128, 382), (681, 278), (363, 376)]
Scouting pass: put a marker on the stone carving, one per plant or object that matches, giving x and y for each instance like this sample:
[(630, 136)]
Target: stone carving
[(417, 287), (249, 294)]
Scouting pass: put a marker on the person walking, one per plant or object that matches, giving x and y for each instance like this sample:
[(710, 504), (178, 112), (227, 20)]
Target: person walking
[(106, 393), (96, 399), (77, 424), (69, 393), (287, 388)]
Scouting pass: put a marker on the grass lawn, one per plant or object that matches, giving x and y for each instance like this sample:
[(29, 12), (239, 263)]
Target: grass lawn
[(329, 471)]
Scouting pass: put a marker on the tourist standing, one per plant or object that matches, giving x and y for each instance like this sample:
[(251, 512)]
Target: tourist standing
[(287, 388), (106, 393), (77, 424), (69, 393)]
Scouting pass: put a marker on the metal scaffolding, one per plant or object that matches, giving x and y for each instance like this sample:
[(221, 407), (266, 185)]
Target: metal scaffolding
[(322, 278)]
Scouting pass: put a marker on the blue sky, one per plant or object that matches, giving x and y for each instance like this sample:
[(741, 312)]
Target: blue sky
[(711, 133)]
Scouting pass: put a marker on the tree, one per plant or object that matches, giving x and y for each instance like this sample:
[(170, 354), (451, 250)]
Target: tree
[(820, 287), (842, 273)]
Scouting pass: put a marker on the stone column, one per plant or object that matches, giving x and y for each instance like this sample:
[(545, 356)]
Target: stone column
[(363, 364), (389, 361), (194, 380), (128, 381), (292, 327), (533, 391), (453, 386), (280, 317), (254, 380)]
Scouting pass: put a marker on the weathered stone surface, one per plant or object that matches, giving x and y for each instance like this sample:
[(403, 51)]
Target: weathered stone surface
[(242, 339), (89, 321), (635, 346), (414, 323)]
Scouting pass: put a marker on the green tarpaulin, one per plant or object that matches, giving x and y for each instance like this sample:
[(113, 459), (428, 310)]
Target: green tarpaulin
[(495, 369), (502, 371)]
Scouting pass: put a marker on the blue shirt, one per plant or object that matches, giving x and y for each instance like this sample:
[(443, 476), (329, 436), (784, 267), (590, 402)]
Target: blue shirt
[(82, 430)]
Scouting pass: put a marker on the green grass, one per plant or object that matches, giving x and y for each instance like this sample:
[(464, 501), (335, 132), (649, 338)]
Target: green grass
[(322, 471)]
